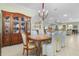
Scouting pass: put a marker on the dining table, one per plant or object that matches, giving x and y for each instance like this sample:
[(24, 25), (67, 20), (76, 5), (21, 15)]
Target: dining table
[(38, 40)]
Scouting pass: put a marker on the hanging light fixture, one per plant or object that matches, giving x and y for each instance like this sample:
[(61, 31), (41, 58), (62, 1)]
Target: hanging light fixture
[(43, 13)]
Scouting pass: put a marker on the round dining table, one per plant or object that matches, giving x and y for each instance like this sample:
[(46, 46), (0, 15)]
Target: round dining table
[(38, 39)]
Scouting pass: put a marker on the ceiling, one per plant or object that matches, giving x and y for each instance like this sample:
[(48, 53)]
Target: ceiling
[(62, 11)]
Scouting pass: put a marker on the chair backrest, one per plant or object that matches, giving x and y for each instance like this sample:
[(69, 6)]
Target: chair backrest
[(49, 34), (24, 38), (53, 37), (34, 32), (41, 32)]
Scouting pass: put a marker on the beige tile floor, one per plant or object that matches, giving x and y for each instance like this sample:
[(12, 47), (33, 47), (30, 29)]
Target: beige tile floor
[(71, 48)]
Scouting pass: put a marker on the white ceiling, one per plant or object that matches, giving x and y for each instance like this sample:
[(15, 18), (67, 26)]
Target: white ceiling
[(56, 10)]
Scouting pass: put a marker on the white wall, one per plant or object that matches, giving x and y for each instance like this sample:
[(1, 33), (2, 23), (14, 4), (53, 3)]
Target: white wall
[(29, 12), (20, 9)]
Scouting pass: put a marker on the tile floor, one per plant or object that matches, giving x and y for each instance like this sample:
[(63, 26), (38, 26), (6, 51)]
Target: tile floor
[(71, 48)]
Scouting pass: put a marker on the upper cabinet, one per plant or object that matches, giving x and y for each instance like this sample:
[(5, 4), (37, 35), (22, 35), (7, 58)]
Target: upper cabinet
[(13, 25)]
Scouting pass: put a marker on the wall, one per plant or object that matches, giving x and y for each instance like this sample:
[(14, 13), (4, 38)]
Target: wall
[(20, 9), (16, 8), (29, 12)]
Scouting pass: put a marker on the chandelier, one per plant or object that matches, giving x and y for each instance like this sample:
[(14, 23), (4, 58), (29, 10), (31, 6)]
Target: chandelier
[(43, 13)]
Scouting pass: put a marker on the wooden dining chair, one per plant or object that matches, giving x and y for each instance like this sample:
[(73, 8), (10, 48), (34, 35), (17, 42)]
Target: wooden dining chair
[(26, 44)]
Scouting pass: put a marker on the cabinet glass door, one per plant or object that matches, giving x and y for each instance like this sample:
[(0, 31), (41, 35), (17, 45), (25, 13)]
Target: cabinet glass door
[(16, 25), (23, 24), (7, 24)]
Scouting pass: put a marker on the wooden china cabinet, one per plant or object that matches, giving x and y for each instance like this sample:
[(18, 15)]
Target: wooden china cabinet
[(13, 25)]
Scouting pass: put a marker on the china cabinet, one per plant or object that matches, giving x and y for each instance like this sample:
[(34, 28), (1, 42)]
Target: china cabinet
[(13, 25)]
